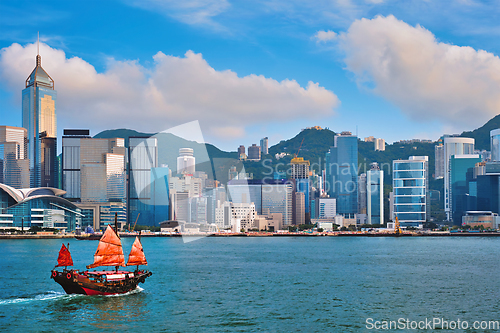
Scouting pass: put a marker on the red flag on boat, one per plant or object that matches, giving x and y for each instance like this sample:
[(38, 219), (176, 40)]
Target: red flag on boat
[(109, 251), (136, 256), (64, 258)]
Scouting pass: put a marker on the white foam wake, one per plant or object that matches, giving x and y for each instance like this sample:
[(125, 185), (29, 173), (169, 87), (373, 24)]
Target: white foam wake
[(135, 291), (50, 295)]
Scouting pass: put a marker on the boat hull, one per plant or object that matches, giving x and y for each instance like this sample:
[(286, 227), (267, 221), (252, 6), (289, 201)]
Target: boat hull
[(88, 283)]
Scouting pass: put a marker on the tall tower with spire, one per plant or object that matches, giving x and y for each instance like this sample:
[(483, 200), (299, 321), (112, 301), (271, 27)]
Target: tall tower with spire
[(39, 118)]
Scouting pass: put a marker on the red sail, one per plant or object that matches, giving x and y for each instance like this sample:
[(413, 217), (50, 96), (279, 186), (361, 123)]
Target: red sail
[(136, 256), (109, 251), (64, 258)]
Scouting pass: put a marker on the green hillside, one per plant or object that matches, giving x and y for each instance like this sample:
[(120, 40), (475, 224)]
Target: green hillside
[(169, 145), (482, 134)]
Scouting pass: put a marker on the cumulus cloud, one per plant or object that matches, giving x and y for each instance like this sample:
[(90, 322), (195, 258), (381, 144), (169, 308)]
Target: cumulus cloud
[(175, 90), (427, 79), (325, 36)]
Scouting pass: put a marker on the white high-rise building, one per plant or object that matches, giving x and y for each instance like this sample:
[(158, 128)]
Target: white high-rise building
[(453, 146), (495, 144), (186, 161), (380, 144), (439, 161), (375, 195)]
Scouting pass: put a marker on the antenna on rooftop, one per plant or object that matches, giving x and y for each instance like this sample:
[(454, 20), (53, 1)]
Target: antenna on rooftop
[(38, 44)]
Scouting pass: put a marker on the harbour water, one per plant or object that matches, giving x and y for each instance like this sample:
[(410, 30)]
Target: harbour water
[(260, 284)]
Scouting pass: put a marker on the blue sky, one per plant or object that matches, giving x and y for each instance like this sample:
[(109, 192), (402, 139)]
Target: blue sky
[(249, 69)]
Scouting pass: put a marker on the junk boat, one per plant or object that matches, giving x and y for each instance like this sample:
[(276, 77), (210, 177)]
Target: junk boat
[(104, 282)]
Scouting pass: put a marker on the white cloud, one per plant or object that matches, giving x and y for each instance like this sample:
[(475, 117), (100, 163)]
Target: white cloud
[(193, 12), (427, 79), (325, 36), (174, 91)]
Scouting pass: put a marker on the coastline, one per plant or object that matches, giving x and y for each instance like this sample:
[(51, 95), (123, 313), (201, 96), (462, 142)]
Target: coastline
[(278, 234)]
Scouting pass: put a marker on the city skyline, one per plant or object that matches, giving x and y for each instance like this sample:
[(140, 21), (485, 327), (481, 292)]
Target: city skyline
[(376, 68)]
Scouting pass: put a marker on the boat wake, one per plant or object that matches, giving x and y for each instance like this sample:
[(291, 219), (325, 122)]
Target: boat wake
[(135, 291), (50, 295)]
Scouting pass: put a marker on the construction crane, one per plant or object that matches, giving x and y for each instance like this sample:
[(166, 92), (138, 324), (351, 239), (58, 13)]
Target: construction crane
[(296, 155), (137, 219), (397, 228)]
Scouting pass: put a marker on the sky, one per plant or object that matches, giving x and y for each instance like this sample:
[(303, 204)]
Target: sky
[(245, 70)]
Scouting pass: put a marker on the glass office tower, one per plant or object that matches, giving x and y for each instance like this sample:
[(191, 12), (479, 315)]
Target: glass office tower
[(453, 146), (143, 156), (342, 173), (39, 118), (410, 183)]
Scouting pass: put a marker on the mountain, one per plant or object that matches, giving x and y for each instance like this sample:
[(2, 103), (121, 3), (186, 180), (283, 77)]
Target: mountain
[(169, 145), (482, 134)]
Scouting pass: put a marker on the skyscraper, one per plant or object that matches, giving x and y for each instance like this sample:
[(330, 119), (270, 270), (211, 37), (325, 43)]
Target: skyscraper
[(39, 118), (461, 173), (453, 146), (186, 161), (410, 184), (14, 167), (143, 157), (342, 173), (439, 161), (495, 144), (375, 195)]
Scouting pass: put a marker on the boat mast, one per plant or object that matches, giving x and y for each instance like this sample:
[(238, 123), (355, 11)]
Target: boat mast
[(116, 231)]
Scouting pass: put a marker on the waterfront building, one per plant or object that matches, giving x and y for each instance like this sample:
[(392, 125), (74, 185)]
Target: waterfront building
[(342, 173), (362, 193), (246, 191), (71, 166), (198, 210), (439, 161), (254, 152), (22, 209), (271, 222), (327, 208), (486, 219), (214, 197), (453, 146), (93, 177), (277, 198), (379, 144), (142, 158), (410, 184), (300, 176), (160, 198), (14, 165), (461, 174), (235, 216), (186, 161), (375, 195), (39, 118), (268, 195), (298, 214), (264, 146)]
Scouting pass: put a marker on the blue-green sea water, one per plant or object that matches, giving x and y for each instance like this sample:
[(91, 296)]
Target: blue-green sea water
[(259, 285)]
